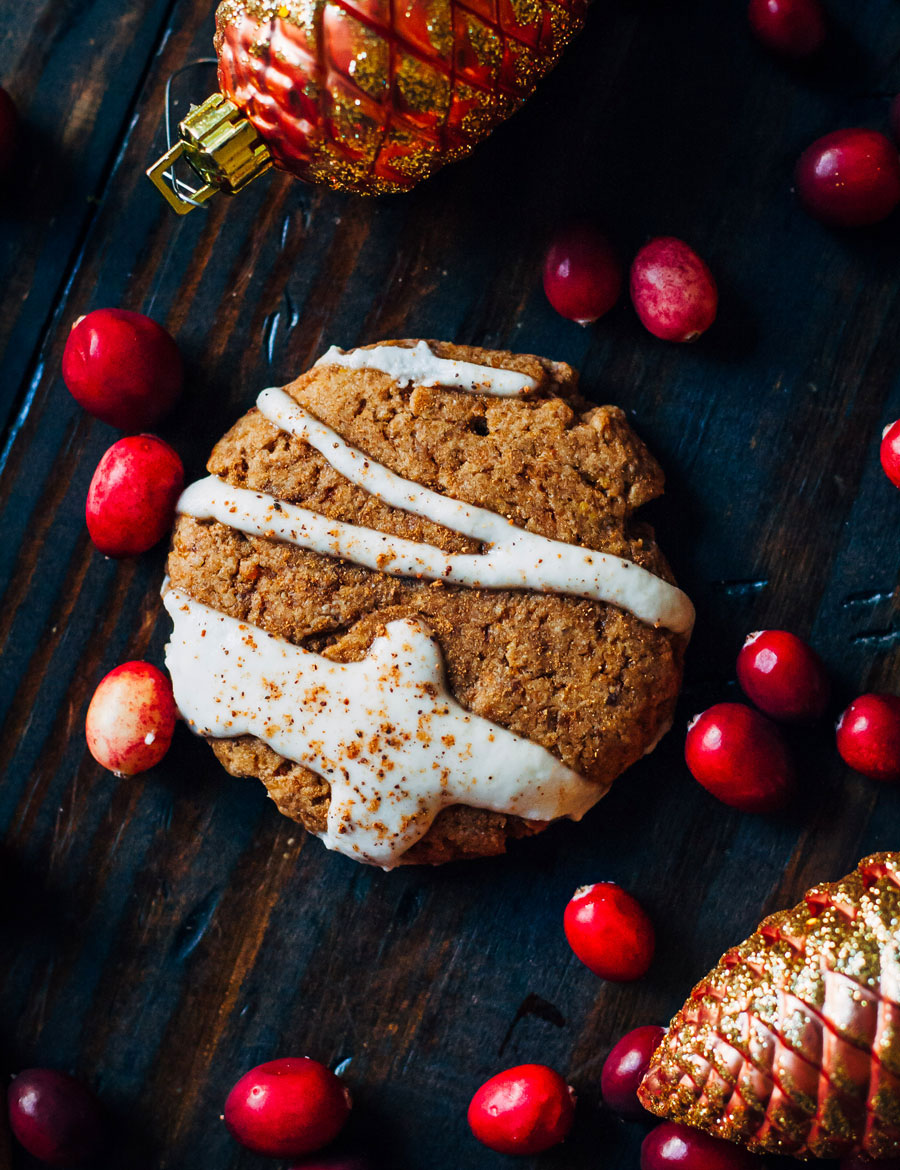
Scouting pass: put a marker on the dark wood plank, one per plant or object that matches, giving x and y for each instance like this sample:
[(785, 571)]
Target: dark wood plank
[(169, 931), (75, 71)]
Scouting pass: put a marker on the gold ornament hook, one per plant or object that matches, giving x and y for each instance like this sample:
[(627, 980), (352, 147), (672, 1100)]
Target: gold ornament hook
[(221, 146)]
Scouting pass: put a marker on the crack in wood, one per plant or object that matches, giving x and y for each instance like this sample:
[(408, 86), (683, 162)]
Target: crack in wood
[(742, 588), (878, 637), (533, 1005), (868, 597)]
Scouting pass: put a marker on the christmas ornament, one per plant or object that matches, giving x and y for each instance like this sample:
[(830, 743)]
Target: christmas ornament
[(369, 96), (791, 1045)]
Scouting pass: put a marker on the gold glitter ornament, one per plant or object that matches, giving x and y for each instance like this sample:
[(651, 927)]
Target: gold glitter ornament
[(370, 96), (791, 1044)]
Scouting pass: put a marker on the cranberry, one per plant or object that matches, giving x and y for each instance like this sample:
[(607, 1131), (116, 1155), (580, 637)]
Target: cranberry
[(132, 497), (849, 178), (783, 676), (131, 718), (122, 368), (610, 932), (793, 28), (677, 1147), (56, 1118), (287, 1108), (523, 1110), (625, 1067), (673, 291), (582, 274), (895, 118), (868, 736), (890, 452), (739, 756), (9, 129)]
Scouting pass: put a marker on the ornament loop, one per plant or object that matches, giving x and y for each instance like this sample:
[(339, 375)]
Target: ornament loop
[(220, 145), (179, 196)]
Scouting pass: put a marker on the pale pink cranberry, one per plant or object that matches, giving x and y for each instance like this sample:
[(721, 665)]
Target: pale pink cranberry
[(56, 1118), (287, 1108), (9, 130), (868, 736), (740, 757), (582, 274), (890, 452), (625, 1068), (523, 1110), (783, 676), (132, 497), (673, 291), (131, 718), (850, 178), (610, 932), (792, 28), (676, 1147), (122, 368)]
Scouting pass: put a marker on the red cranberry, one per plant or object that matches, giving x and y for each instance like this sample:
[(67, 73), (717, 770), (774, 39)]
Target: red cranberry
[(287, 1108), (523, 1110), (793, 28), (610, 932), (56, 1118), (739, 756), (849, 178), (625, 1068), (890, 452), (783, 676), (132, 497), (868, 736), (895, 118), (582, 274), (673, 291), (131, 718), (677, 1147), (9, 129), (122, 368)]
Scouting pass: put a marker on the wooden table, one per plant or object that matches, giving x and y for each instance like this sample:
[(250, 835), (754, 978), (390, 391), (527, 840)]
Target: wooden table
[(165, 933)]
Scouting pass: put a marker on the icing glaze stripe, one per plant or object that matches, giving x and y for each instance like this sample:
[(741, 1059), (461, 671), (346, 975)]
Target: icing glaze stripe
[(419, 365), (385, 732), (521, 561), (516, 558)]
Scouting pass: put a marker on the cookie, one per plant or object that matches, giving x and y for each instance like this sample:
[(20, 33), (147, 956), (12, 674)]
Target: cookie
[(413, 598)]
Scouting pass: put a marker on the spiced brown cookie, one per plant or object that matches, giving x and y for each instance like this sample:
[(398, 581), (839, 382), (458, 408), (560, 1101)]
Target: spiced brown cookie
[(414, 599)]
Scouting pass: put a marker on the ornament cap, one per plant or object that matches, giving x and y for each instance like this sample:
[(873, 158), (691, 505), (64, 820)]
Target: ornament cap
[(221, 146)]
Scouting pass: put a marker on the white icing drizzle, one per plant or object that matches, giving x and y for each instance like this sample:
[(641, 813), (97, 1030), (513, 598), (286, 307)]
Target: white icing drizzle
[(419, 365), (516, 559), (385, 732), (521, 560)]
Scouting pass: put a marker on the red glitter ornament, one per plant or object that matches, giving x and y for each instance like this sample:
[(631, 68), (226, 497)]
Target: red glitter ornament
[(789, 1045), (363, 95)]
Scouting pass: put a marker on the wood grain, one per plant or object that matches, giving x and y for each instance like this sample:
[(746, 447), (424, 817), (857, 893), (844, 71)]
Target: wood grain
[(165, 933)]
